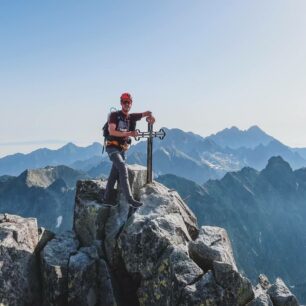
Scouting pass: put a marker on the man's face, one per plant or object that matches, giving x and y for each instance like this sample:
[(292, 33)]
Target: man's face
[(126, 106)]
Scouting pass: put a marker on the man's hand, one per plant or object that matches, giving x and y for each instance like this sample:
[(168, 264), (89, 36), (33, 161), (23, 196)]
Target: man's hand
[(150, 119), (133, 134)]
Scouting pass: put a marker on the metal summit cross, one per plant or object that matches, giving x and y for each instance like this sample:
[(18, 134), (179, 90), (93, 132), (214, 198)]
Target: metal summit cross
[(149, 135)]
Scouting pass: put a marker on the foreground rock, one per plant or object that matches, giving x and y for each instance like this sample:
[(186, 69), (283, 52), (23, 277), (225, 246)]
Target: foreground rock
[(261, 298), (154, 255), (281, 295), (212, 245), (55, 258), (19, 276), (238, 289), (276, 294)]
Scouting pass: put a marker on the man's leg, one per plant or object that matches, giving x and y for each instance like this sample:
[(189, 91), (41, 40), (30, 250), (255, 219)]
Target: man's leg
[(113, 177), (118, 161)]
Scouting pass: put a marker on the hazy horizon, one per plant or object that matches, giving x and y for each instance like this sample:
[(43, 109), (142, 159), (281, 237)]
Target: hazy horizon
[(200, 66)]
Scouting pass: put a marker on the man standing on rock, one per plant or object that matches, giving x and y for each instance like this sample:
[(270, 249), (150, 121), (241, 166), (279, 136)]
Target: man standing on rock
[(121, 126)]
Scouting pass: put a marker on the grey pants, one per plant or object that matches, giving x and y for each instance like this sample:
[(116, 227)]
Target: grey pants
[(119, 172)]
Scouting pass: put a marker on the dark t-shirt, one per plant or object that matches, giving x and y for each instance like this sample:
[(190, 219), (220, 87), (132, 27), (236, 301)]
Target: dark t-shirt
[(130, 117), (124, 123)]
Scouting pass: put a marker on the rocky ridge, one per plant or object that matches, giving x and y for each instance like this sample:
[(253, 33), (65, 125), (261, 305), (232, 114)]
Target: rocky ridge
[(155, 255), (263, 212)]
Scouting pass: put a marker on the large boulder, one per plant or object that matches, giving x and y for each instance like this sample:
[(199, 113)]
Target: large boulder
[(89, 214), (82, 277), (173, 272), (205, 292), (281, 295), (106, 286), (277, 294), (264, 282), (153, 246), (19, 274), (238, 289), (212, 244), (261, 298), (154, 227), (93, 220), (54, 268), (75, 276)]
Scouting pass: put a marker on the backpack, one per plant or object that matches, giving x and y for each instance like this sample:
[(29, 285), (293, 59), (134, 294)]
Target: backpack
[(105, 126), (132, 127), (105, 131)]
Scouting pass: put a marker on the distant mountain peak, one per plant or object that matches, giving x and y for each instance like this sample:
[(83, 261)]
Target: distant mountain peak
[(255, 128), (278, 171), (233, 128), (235, 138), (44, 177), (276, 162), (69, 145)]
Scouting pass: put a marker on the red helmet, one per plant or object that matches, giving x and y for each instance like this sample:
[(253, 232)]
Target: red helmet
[(126, 97)]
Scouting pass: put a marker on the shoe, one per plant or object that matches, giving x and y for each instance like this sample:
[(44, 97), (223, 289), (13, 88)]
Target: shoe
[(134, 203)]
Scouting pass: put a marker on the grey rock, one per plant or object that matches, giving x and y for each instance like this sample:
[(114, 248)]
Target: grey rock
[(175, 270), (212, 244), (99, 245), (19, 276), (162, 224), (44, 236), (90, 190), (261, 300), (82, 276), (264, 282), (95, 221), (154, 227), (204, 292), (137, 178), (261, 297), (54, 268), (237, 287), (281, 295), (164, 195), (106, 291), (154, 255), (89, 214), (119, 215), (113, 225)]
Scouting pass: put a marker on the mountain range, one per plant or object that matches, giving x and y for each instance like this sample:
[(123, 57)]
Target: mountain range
[(67, 155), (181, 153), (235, 138), (232, 184), (199, 159), (264, 213)]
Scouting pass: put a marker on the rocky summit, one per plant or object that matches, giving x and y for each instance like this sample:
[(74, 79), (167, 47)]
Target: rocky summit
[(118, 255)]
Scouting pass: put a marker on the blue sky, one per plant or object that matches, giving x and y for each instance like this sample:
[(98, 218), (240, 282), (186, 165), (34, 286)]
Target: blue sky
[(198, 65)]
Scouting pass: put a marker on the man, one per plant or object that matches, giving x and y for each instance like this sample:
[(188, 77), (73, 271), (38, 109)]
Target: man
[(121, 126)]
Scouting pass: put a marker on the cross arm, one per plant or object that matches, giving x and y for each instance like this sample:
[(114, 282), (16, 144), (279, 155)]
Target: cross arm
[(160, 134)]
